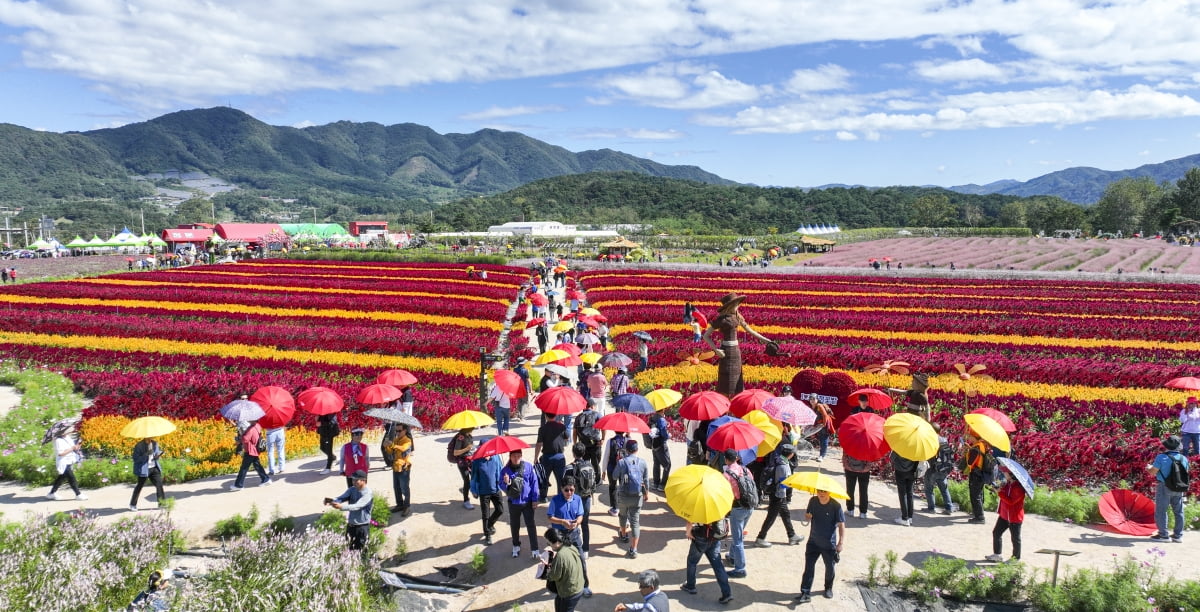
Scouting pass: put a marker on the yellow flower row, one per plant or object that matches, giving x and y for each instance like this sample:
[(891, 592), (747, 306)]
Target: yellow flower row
[(326, 290), (883, 336), (331, 313), (888, 294), (460, 281), (704, 374), (960, 311), (177, 347), (791, 280)]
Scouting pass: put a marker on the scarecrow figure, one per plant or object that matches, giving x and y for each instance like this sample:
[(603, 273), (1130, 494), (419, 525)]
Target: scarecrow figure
[(727, 322), (916, 398)]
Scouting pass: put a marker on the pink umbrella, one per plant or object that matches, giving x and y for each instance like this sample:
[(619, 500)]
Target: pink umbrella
[(788, 409)]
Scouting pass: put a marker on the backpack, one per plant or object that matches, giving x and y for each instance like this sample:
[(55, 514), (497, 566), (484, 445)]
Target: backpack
[(516, 485), (717, 530), (585, 477), (388, 457), (1178, 481), (450, 450), (586, 424), (747, 491), (617, 446), (631, 480), (262, 442), (943, 462)]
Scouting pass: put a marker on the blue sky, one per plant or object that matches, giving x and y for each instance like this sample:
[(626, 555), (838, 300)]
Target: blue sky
[(773, 92)]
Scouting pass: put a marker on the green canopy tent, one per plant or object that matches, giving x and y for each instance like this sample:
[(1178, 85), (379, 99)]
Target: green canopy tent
[(77, 243), (39, 244)]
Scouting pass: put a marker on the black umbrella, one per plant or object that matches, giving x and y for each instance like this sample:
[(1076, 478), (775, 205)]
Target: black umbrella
[(395, 415), (641, 335), (60, 428)]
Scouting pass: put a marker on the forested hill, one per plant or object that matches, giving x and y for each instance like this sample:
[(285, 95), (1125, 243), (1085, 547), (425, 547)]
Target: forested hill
[(714, 209)]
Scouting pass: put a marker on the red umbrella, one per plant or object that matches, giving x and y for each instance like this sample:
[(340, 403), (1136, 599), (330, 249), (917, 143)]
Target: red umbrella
[(700, 318), (277, 404), (875, 398), (569, 316), (1189, 383), (589, 320), (500, 445), (738, 435), (535, 321), (378, 394), (1128, 512), (538, 299), (601, 318), (560, 400), (396, 378), (573, 294), (704, 406), (573, 360), (509, 383), (319, 400), (997, 416), (623, 421), (747, 401), (570, 348), (861, 436)]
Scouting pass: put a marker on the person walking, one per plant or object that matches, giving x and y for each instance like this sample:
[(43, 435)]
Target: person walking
[(586, 434), (781, 496), (597, 386), (523, 402), (565, 513), (407, 401), (251, 433), (979, 466), (906, 477), (705, 542), (826, 536), (357, 501), (614, 450), (354, 456), (327, 430), (1172, 487), (276, 440), (643, 350), (620, 382), (543, 338), (1011, 515), (399, 447), (745, 499), (940, 468), (485, 485), (551, 443), (660, 455), (461, 447), (145, 466), (584, 474), (521, 487), (501, 405), (66, 455), (565, 571), (653, 599), (1189, 425), (631, 475)]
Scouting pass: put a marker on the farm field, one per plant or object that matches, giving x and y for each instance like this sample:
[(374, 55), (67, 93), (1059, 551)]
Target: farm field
[(1042, 254), (181, 343), (1079, 366)]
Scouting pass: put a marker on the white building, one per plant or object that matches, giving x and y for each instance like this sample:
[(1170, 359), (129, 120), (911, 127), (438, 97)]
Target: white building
[(548, 228)]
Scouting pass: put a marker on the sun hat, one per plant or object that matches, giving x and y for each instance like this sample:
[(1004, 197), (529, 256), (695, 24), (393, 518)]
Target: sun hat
[(730, 301), (1171, 443), (356, 431)]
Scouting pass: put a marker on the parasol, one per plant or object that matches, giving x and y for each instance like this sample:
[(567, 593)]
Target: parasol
[(394, 415), (242, 410), (616, 360), (748, 400), (704, 405), (1128, 512), (378, 394), (641, 335), (1020, 474), (567, 347), (699, 494), (624, 422), (812, 482), (662, 399), (148, 427), (278, 406), (509, 383), (633, 403), (500, 445), (788, 409), (876, 399), (910, 436), (999, 417), (396, 378), (468, 419), (560, 400), (862, 437), (319, 401), (738, 435), (1187, 383), (987, 428)]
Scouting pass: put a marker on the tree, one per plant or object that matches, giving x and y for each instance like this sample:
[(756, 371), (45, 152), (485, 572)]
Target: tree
[(1013, 215), (931, 210), (1124, 204), (195, 210), (1186, 197)]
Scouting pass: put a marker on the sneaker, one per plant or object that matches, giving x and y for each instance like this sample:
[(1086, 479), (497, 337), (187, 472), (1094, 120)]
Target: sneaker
[(736, 574), (583, 554), (728, 561), (235, 488), (976, 520), (133, 508), (908, 522), (1177, 540), (862, 515), (994, 558), (632, 554), (828, 594), (516, 551), (624, 537), (930, 511), (467, 505), (535, 556), (407, 511), (53, 496), (266, 483), (796, 539), (587, 592), (613, 512), (81, 497), (397, 509), (1159, 538), (802, 598), (687, 589), (324, 471), (762, 543), (900, 521), (487, 540), (945, 511), (725, 598)]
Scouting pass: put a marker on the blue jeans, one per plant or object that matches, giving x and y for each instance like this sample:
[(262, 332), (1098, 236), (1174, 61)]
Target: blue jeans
[(643, 364), (503, 416), (1191, 441), (823, 439), (400, 482), (738, 519), (584, 526), (933, 479), (703, 547), (248, 461), (1166, 499), (276, 438)]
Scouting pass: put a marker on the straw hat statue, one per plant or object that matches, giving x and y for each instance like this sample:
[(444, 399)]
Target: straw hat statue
[(727, 322)]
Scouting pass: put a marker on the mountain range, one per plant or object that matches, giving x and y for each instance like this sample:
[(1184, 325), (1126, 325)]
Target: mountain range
[(1083, 185)]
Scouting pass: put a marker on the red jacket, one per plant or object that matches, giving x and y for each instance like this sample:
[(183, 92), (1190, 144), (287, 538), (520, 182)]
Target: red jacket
[(1012, 502), (250, 440)]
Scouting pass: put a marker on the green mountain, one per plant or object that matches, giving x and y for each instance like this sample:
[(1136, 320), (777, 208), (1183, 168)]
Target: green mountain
[(1084, 185)]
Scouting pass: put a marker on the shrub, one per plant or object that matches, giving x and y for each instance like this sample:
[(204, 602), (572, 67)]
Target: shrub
[(331, 520), (236, 525), (479, 562)]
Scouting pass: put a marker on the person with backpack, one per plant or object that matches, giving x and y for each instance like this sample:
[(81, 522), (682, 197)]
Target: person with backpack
[(251, 435), (1011, 515), (566, 516), (458, 452), (858, 476), (584, 474), (1170, 469), (906, 477), (521, 486), (550, 450), (485, 485), (781, 496), (597, 388), (705, 541), (327, 430), (613, 451), (659, 453), (631, 475), (591, 438), (939, 469), (980, 467), (397, 449), (745, 500)]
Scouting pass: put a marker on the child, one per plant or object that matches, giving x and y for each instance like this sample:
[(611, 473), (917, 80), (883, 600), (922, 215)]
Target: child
[(1011, 515)]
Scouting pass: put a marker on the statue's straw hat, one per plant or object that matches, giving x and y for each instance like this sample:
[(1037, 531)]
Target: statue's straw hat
[(730, 302)]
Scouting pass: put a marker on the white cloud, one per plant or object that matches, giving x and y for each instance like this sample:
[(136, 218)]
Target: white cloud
[(844, 135), (497, 112), (303, 124), (681, 85), (966, 45), (823, 78), (644, 134), (1144, 153), (961, 70)]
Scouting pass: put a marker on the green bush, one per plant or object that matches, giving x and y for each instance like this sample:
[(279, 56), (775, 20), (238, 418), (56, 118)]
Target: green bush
[(331, 520), (479, 562), (236, 525)]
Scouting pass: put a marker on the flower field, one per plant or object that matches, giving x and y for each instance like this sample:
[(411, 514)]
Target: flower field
[(182, 343), (1079, 366)]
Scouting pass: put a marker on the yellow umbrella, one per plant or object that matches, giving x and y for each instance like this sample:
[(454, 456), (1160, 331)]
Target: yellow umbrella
[(816, 481), (563, 326), (662, 399), (699, 494), (589, 311), (767, 425), (551, 356), (467, 419), (148, 427), (910, 436), (989, 430), (590, 358)]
